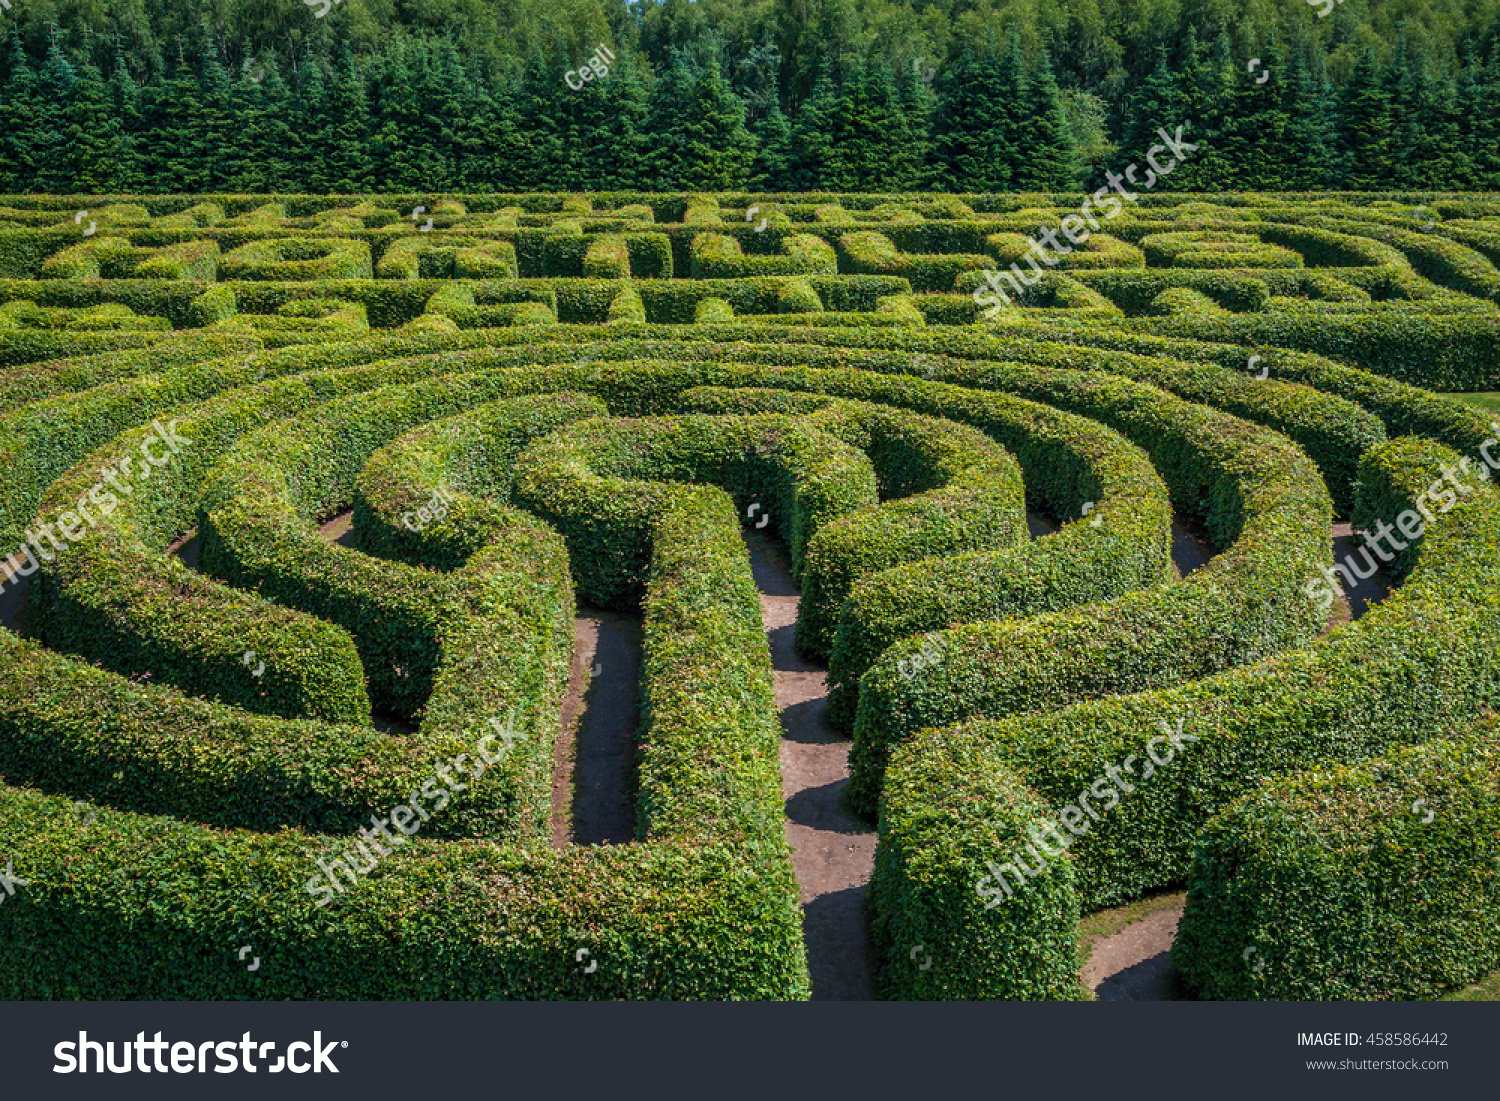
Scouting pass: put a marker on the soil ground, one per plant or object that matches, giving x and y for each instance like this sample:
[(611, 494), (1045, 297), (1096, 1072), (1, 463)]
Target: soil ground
[(594, 776), (832, 852)]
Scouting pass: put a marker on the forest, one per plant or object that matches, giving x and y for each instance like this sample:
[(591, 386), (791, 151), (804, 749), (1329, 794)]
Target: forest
[(788, 95)]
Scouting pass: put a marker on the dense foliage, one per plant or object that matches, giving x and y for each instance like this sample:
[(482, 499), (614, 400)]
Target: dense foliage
[(161, 95)]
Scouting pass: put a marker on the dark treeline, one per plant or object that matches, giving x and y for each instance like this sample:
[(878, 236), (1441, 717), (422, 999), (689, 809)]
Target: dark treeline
[(258, 95)]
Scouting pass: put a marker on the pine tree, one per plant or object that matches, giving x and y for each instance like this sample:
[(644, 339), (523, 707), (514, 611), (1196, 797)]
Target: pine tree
[(667, 118), (815, 137), (1479, 106), (271, 146), (18, 122), (1310, 160), (220, 130), (719, 151), (125, 106), (506, 147), (54, 163), (914, 97), (773, 159), (1365, 135), (345, 133), (174, 124), (1053, 161), (539, 106), (981, 127), (619, 160), (396, 147), (309, 95), (96, 143), (875, 150)]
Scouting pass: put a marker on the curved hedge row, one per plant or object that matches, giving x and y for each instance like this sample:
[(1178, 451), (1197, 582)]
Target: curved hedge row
[(1373, 881), (1259, 500), (705, 909), (257, 527), (1419, 664)]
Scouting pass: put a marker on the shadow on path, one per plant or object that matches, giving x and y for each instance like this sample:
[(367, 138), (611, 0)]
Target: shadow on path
[(833, 853)]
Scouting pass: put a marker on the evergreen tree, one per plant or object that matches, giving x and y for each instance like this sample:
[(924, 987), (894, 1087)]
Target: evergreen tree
[(219, 129), (54, 162), (619, 159), (1479, 107), (875, 150), (310, 93), (272, 148), (1053, 161), (815, 137), (771, 169), (719, 151), (1309, 162), (503, 162), (981, 126), (1365, 136), (18, 122), (914, 95), (345, 133), (125, 106), (397, 144), (540, 102), (665, 161), (96, 142)]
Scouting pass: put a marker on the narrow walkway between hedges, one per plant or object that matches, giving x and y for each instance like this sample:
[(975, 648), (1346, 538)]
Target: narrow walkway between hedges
[(832, 852), (594, 777)]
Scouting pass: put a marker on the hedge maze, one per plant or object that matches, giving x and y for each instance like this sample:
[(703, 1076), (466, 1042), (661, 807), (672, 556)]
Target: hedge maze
[(530, 401)]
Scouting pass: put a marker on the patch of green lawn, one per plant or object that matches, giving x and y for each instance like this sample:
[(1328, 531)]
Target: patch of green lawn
[(1490, 402), (1485, 990), (1106, 923)]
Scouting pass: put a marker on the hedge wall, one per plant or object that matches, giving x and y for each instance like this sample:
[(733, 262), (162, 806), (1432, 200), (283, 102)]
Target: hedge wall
[(1370, 881)]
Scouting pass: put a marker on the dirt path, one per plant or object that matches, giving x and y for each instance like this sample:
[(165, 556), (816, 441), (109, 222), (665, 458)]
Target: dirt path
[(1191, 548), (832, 852), (594, 774), (1135, 964)]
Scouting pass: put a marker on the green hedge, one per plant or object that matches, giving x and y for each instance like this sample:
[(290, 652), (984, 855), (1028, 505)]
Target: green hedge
[(1333, 885), (257, 526), (719, 256), (601, 482), (930, 934), (706, 908), (947, 490), (1348, 697), (294, 258), (1262, 505)]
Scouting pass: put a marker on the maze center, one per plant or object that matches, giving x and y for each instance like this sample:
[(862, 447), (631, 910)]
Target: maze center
[(220, 727)]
